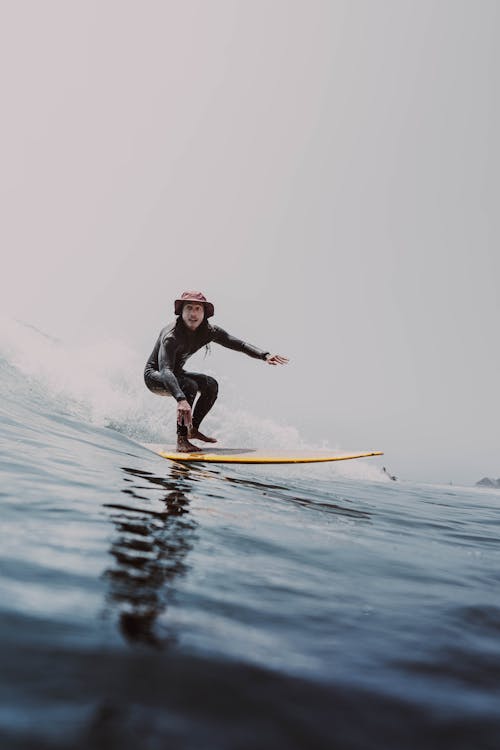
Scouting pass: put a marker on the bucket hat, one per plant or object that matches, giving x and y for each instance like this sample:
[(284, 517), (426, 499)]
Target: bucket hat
[(194, 297)]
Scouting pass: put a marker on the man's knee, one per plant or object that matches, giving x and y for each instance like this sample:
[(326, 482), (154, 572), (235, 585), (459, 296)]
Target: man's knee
[(212, 386), (154, 383)]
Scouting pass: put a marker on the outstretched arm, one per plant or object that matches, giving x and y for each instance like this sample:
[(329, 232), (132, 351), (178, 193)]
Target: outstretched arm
[(231, 342), (222, 337)]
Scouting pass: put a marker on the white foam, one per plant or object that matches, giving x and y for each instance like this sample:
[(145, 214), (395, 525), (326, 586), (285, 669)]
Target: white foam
[(99, 383)]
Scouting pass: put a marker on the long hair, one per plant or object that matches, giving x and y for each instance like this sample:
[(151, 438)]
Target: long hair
[(180, 328)]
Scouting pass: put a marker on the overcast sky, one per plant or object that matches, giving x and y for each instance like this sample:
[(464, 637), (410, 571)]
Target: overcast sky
[(327, 172)]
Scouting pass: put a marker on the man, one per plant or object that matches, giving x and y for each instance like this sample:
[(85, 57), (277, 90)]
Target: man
[(164, 373)]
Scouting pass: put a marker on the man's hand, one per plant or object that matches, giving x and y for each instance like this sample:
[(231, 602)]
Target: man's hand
[(184, 415), (276, 359)]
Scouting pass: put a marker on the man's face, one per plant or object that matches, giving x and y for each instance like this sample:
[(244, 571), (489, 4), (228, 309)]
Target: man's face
[(192, 315)]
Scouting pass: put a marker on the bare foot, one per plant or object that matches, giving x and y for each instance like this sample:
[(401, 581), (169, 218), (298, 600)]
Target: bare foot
[(195, 434), (184, 446)]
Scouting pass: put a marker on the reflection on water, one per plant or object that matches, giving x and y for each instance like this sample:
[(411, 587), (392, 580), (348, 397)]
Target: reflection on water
[(154, 532), (153, 535)]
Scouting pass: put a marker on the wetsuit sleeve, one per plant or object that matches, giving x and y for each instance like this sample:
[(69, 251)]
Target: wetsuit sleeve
[(230, 342), (166, 361)]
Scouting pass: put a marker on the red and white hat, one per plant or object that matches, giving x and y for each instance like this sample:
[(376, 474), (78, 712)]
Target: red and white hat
[(194, 297)]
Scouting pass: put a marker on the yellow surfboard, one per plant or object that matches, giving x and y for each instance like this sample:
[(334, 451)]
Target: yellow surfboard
[(248, 456)]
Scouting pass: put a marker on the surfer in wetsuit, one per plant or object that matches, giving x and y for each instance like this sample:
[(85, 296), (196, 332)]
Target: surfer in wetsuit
[(164, 373)]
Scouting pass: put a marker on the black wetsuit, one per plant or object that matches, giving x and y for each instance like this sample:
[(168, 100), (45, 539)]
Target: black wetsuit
[(164, 373)]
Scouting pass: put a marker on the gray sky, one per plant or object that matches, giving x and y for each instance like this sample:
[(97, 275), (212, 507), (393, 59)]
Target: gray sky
[(327, 172)]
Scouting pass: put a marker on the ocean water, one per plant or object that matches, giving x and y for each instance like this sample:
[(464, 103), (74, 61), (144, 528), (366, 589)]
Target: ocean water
[(149, 604)]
